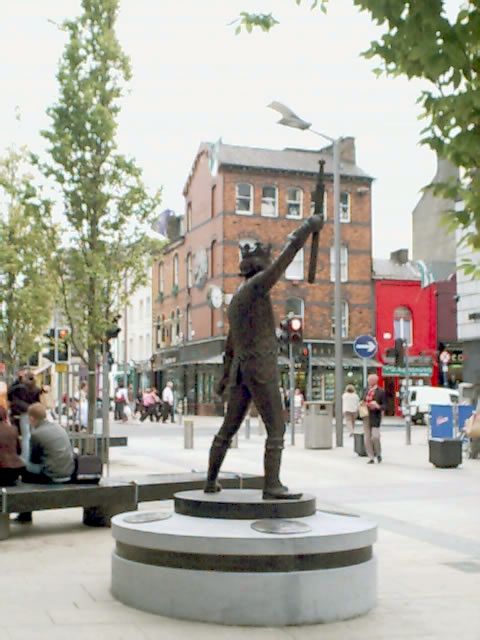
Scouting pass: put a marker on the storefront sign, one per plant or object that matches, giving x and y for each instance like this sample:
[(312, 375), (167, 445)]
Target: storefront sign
[(417, 372)]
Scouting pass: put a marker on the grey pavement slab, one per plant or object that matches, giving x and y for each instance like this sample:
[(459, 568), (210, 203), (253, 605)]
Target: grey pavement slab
[(55, 576)]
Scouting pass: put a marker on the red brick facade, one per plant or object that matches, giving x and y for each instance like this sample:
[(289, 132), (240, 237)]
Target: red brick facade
[(212, 226)]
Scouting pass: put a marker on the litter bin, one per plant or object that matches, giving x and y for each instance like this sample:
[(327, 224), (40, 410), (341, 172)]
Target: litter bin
[(317, 425)]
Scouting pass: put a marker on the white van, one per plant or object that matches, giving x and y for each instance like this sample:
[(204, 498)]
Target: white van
[(420, 399)]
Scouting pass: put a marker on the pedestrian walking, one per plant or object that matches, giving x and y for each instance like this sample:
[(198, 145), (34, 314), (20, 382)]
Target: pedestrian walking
[(351, 405), (131, 399), (167, 399), (374, 400), (298, 401), (121, 400)]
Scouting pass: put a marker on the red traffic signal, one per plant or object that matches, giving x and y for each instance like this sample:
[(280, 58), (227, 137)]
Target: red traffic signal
[(295, 330)]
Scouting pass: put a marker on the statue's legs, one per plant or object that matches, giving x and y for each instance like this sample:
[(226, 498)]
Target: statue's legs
[(238, 403), (267, 399)]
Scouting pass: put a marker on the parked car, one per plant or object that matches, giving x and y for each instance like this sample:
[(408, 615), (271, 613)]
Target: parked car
[(420, 398)]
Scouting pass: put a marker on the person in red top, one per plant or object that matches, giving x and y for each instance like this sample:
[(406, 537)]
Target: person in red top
[(11, 465), (374, 399)]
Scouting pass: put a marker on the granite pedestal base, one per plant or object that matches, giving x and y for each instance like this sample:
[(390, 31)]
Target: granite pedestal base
[(239, 572)]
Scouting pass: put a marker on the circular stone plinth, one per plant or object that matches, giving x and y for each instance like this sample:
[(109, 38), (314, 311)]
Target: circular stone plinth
[(226, 572), (241, 504)]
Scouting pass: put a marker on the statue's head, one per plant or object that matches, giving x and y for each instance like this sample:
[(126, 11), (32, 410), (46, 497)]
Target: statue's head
[(255, 258)]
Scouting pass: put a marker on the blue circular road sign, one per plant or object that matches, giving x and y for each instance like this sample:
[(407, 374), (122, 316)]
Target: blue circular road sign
[(365, 346)]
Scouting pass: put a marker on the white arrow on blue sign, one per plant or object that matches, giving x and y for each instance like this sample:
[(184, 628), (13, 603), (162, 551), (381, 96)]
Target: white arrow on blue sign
[(365, 346)]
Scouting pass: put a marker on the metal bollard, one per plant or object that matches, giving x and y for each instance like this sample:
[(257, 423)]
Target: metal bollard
[(4, 517), (188, 434), (234, 443)]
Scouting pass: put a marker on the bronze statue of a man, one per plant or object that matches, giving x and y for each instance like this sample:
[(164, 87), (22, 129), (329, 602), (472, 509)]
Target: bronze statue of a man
[(251, 353)]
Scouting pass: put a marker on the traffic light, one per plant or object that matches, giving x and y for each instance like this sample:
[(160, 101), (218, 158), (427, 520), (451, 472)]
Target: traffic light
[(399, 352), (295, 333), (283, 336), (50, 343), (302, 357), (62, 345)]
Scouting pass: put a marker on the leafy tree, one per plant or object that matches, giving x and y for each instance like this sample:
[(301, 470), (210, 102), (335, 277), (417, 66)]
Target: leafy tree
[(26, 285), (107, 210), (421, 41)]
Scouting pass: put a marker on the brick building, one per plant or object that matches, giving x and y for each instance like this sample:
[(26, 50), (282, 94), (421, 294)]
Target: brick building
[(236, 194), (423, 316)]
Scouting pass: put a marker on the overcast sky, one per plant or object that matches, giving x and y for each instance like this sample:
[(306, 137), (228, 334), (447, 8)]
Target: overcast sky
[(194, 80)]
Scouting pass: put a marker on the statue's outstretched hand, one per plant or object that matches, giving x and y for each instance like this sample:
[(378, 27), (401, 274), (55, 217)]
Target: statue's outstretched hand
[(316, 223)]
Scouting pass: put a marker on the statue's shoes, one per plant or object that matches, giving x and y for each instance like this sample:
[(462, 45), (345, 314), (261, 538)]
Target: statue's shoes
[(212, 487), (280, 493)]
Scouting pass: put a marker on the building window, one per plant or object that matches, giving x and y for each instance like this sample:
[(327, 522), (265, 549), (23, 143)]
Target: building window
[(344, 206), (158, 333), (148, 345), (212, 203), (345, 319), (269, 201), (325, 202), (163, 330), (148, 308), (213, 257), (189, 271), (294, 203), (177, 323), (295, 306), (175, 270), (403, 325), (141, 312), (161, 278), (244, 198), (188, 322), (140, 347), (343, 264), (295, 268), (189, 216)]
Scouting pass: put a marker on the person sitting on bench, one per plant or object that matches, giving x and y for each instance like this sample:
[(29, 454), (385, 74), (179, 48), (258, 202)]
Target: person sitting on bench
[(11, 465), (52, 458)]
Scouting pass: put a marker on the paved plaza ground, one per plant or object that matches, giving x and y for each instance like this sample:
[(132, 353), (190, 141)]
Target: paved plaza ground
[(54, 582)]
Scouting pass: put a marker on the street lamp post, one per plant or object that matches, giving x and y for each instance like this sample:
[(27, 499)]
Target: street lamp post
[(290, 119)]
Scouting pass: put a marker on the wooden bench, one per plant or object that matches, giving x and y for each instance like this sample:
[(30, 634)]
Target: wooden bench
[(113, 495)]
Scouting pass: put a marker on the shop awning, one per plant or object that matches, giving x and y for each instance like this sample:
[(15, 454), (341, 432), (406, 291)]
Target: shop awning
[(212, 360), (348, 363)]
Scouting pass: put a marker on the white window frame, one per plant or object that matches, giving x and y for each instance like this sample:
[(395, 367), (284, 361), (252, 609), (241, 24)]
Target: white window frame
[(296, 269), (267, 202), (246, 212), (188, 321), (343, 264), (189, 270), (345, 319), (302, 306), (402, 323), (175, 270), (298, 202), (325, 204), (161, 278), (345, 211)]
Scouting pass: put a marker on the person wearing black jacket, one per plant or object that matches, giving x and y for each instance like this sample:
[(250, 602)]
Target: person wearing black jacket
[(22, 393), (374, 399)]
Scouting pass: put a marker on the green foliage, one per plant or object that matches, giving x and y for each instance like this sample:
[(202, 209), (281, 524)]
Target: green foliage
[(106, 207), (26, 283), (420, 41)]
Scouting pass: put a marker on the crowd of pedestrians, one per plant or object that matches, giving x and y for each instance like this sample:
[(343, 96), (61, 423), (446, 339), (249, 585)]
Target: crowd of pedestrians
[(33, 446)]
